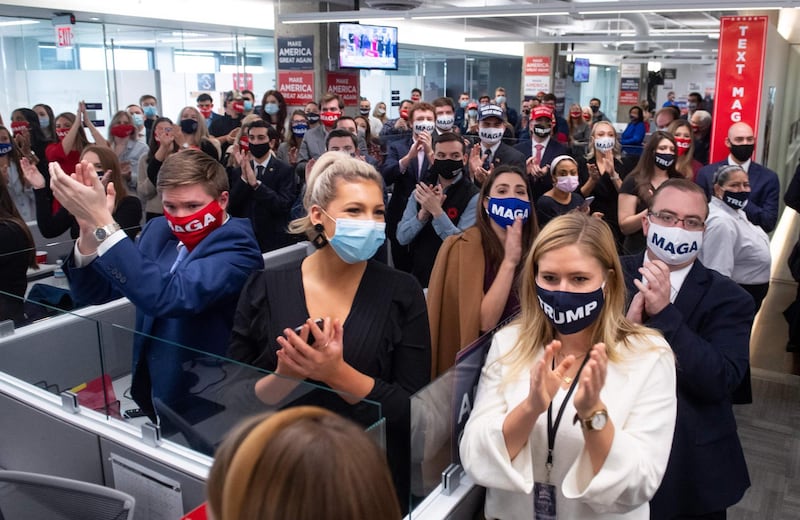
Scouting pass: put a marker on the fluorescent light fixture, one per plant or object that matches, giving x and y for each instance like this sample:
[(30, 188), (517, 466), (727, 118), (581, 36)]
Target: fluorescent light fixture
[(18, 22), (486, 13), (599, 38)]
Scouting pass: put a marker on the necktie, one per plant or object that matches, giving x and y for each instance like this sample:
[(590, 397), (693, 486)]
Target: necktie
[(539, 149), (182, 253), (488, 160), (420, 161), (260, 172)]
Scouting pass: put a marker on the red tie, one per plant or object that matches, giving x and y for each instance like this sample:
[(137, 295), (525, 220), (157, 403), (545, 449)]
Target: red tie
[(539, 148)]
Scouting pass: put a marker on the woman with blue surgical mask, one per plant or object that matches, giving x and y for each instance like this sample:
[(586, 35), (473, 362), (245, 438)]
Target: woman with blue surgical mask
[(575, 408), (475, 280), (564, 196), (274, 110), (732, 245), (47, 120), (373, 341)]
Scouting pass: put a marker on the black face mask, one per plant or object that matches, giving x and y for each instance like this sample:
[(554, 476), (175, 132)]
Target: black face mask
[(363, 111), (447, 168), (542, 131), (312, 118), (594, 108), (259, 150), (742, 152), (664, 160), (188, 126), (736, 200)]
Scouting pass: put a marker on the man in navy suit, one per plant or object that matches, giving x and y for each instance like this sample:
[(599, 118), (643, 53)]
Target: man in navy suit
[(407, 162), (765, 188), (540, 151), (184, 274), (263, 188), (706, 319), (491, 152)]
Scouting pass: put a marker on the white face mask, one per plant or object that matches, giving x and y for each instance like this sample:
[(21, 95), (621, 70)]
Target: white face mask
[(604, 144), (445, 123), (673, 245), (490, 135), (423, 126)]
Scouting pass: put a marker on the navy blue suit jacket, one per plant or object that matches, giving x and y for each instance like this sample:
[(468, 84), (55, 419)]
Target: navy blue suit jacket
[(404, 181), (708, 328), (191, 307), (765, 192), (543, 184)]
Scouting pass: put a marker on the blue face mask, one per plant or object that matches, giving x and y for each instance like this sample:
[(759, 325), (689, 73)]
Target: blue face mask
[(300, 129), (505, 211), (248, 105), (269, 108), (5, 149), (571, 312), (138, 119), (356, 240), (463, 103), (44, 122), (150, 111)]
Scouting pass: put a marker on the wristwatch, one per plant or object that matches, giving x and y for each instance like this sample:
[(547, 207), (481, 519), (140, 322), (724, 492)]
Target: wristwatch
[(596, 422), (103, 232)]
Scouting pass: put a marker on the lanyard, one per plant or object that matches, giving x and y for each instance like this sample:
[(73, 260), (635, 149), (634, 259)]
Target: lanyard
[(553, 428)]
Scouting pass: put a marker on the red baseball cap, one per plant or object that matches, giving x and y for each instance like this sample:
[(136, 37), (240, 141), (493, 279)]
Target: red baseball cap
[(541, 111)]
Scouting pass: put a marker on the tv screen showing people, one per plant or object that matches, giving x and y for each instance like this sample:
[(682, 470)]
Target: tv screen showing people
[(367, 46), (581, 74)]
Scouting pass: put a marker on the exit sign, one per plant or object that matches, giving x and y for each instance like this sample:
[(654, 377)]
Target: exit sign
[(64, 36)]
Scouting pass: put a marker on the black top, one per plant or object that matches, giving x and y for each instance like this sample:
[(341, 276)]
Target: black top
[(14, 257), (548, 208), (606, 196), (636, 242), (128, 215), (386, 336)]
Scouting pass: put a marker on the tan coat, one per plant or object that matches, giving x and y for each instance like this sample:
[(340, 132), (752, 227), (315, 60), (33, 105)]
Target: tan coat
[(455, 292)]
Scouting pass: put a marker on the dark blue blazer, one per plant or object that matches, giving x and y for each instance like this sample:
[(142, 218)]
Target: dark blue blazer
[(541, 185), (708, 328), (765, 192), (192, 307), (404, 181)]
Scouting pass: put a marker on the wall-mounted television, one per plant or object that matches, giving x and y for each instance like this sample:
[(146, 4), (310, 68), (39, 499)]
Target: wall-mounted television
[(580, 72), (367, 46)]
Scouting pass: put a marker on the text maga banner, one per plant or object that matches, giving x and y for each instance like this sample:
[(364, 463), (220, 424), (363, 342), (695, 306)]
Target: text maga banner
[(537, 66), (296, 53), (740, 69), (297, 87), (346, 85)]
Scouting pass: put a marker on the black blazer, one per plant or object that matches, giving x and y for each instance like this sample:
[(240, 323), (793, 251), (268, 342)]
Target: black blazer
[(404, 181), (708, 328), (268, 206), (541, 185)]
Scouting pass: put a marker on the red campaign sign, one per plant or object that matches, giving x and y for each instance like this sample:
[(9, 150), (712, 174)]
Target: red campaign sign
[(346, 85), (740, 69), (537, 66), (297, 87), (242, 81), (628, 98)]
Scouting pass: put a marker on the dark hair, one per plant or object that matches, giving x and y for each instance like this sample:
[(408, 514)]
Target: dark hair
[(293, 140), (110, 161), (639, 109), (147, 96), (153, 144), (683, 163), (493, 248), (51, 128), (81, 141), (484, 96), (280, 118), (444, 102), (420, 106), (9, 213), (415, 89), (343, 118), (341, 132), (272, 132), (549, 97), (35, 130), (246, 91), (204, 97), (645, 168), (447, 137), (367, 131), (696, 95), (15, 155), (596, 99), (330, 96)]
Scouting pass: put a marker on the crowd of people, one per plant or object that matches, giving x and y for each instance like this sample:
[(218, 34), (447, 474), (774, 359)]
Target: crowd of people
[(633, 267)]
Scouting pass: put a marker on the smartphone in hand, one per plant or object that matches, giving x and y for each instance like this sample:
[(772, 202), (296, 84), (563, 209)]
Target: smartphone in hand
[(587, 202), (311, 339)]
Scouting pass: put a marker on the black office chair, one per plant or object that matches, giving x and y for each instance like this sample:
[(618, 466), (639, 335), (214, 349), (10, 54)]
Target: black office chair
[(32, 496)]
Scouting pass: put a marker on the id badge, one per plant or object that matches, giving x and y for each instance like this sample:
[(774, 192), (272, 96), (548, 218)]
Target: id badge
[(544, 501)]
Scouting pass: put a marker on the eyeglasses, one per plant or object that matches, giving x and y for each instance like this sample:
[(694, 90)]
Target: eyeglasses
[(670, 220)]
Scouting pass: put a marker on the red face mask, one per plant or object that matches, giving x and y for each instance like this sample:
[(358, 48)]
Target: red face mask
[(244, 143), (206, 111), (122, 131), (193, 228), (238, 107), (61, 133), (587, 117), (329, 118), (575, 115), (683, 144), (404, 113), (20, 127)]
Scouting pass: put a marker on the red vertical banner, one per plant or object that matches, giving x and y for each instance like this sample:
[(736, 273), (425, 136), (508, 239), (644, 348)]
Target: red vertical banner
[(346, 85), (740, 69)]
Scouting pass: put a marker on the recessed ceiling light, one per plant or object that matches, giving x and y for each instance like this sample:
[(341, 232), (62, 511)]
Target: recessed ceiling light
[(94, 19)]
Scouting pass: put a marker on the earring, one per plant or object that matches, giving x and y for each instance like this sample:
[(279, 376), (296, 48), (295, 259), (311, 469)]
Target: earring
[(319, 241)]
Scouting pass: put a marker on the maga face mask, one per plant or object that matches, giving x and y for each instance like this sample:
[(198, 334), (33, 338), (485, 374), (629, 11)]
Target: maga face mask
[(490, 135), (423, 126), (673, 245), (445, 123), (193, 228), (329, 118), (504, 211), (604, 144), (571, 312)]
